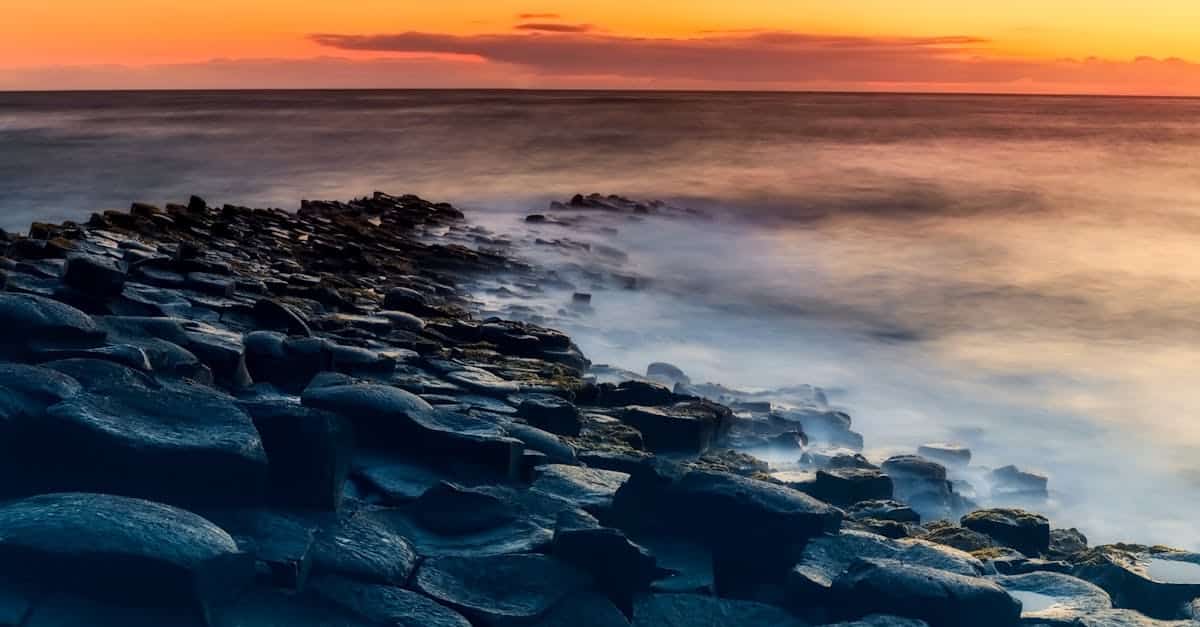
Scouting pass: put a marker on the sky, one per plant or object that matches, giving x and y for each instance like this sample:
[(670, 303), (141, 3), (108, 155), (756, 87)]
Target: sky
[(1015, 46)]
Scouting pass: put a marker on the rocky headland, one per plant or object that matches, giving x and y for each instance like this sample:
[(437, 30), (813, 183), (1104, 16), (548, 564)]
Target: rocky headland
[(241, 417)]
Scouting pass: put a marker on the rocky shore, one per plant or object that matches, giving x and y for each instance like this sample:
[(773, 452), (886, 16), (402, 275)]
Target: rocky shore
[(240, 417)]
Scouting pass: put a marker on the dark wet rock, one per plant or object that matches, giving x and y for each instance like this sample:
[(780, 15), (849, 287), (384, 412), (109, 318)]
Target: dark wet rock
[(222, 351), (825, 559), (584, 609), (627, 393), (940, 598), (668, 374), (501, 589), (883, 510), (390, 418), (123, 354), (1160, 584), (395, 480), (164, 340), (1053, 598), (847, 486), (1067, 543), (958, 537), (1024, 531), (550, 413), (452, 509), (692, 427), (831, 428), (408, 300), (126, 434), (96, 276), (882, 620), (589, 488), (287, 363), (63, 610), (482, 381), (450, 520), (211, 284), (359, 361), (27, 391), (693, 610), (553, 447), (923, 484), (945, 453), (27, 321), (268, 607), (1007, 561), (126, 550), (308, 452), (1010, 484), (365, 547), (282, 545), (620, 567), (384, 605), (277, 316)]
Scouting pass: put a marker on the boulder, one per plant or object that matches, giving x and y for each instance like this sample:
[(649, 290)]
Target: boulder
[(588, 488), (960, 538), (667, 374), (938, 597), (1024, 531), (125, 550), (483, 382), (883, 510), (694, 610), (1160, 584), (1067, 543), (281, 545), (308, 452), (550, 413), (389, 418), (847, 486), (620, 567), (555, 450), (501, 589), (384, 605), (692, 427), (810, 583), (28, 321), (287, 363), (96, 276), (951, 455), (1054, 598), (365, 547), (127, 434), (584, 609)]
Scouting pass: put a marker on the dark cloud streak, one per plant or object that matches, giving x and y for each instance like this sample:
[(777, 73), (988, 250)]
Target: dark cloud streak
[(546, 27)]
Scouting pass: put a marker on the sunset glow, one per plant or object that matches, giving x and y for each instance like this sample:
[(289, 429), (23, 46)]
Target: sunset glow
[(1105, 46)]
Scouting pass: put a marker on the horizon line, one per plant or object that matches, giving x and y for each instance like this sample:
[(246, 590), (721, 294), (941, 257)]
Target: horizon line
[(846, 92)]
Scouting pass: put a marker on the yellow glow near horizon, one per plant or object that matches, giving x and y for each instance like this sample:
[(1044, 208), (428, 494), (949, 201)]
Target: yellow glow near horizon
[(39, 33)]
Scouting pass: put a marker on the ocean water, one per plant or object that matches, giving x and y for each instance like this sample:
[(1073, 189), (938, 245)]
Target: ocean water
[(1019, 274)]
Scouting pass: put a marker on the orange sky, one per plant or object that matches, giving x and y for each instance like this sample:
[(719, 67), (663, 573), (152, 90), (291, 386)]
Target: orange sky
[(1016, 45)]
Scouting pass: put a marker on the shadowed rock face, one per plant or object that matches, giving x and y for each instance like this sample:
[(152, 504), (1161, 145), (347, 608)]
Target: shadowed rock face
[(940, 598), (689, 610), (129, 549), (494, 590)]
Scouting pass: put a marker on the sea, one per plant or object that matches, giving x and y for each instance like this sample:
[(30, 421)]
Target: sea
[(1017, 274)]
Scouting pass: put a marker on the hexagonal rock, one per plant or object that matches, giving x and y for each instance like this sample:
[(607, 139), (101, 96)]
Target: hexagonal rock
[(308, 450), (551, 413), (1157, 583), (683, 428), (694, 610), (946, 453), (127, 550), (127, 434), (1054, 598), (27, 321), (1024, 531), (940, 598), (499, 589), (94, 275), (365, 547), (384, 605)]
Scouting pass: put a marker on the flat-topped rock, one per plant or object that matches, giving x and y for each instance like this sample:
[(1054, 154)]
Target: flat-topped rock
[(1054, 598), (693, 610), (364, 546), (1024, 531), (126, 434), (120, 548), (500, 589), (27, 321), (938, 597), (1160, 584), (384, 605)]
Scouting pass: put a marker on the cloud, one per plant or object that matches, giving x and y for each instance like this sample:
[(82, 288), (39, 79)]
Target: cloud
[(772, 59), (543, 27), (538, 16)]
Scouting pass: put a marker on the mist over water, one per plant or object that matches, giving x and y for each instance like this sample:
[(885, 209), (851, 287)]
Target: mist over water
[(1016, 273)]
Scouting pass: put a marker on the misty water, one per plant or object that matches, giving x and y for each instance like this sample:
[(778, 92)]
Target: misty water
[(1018, 274)]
